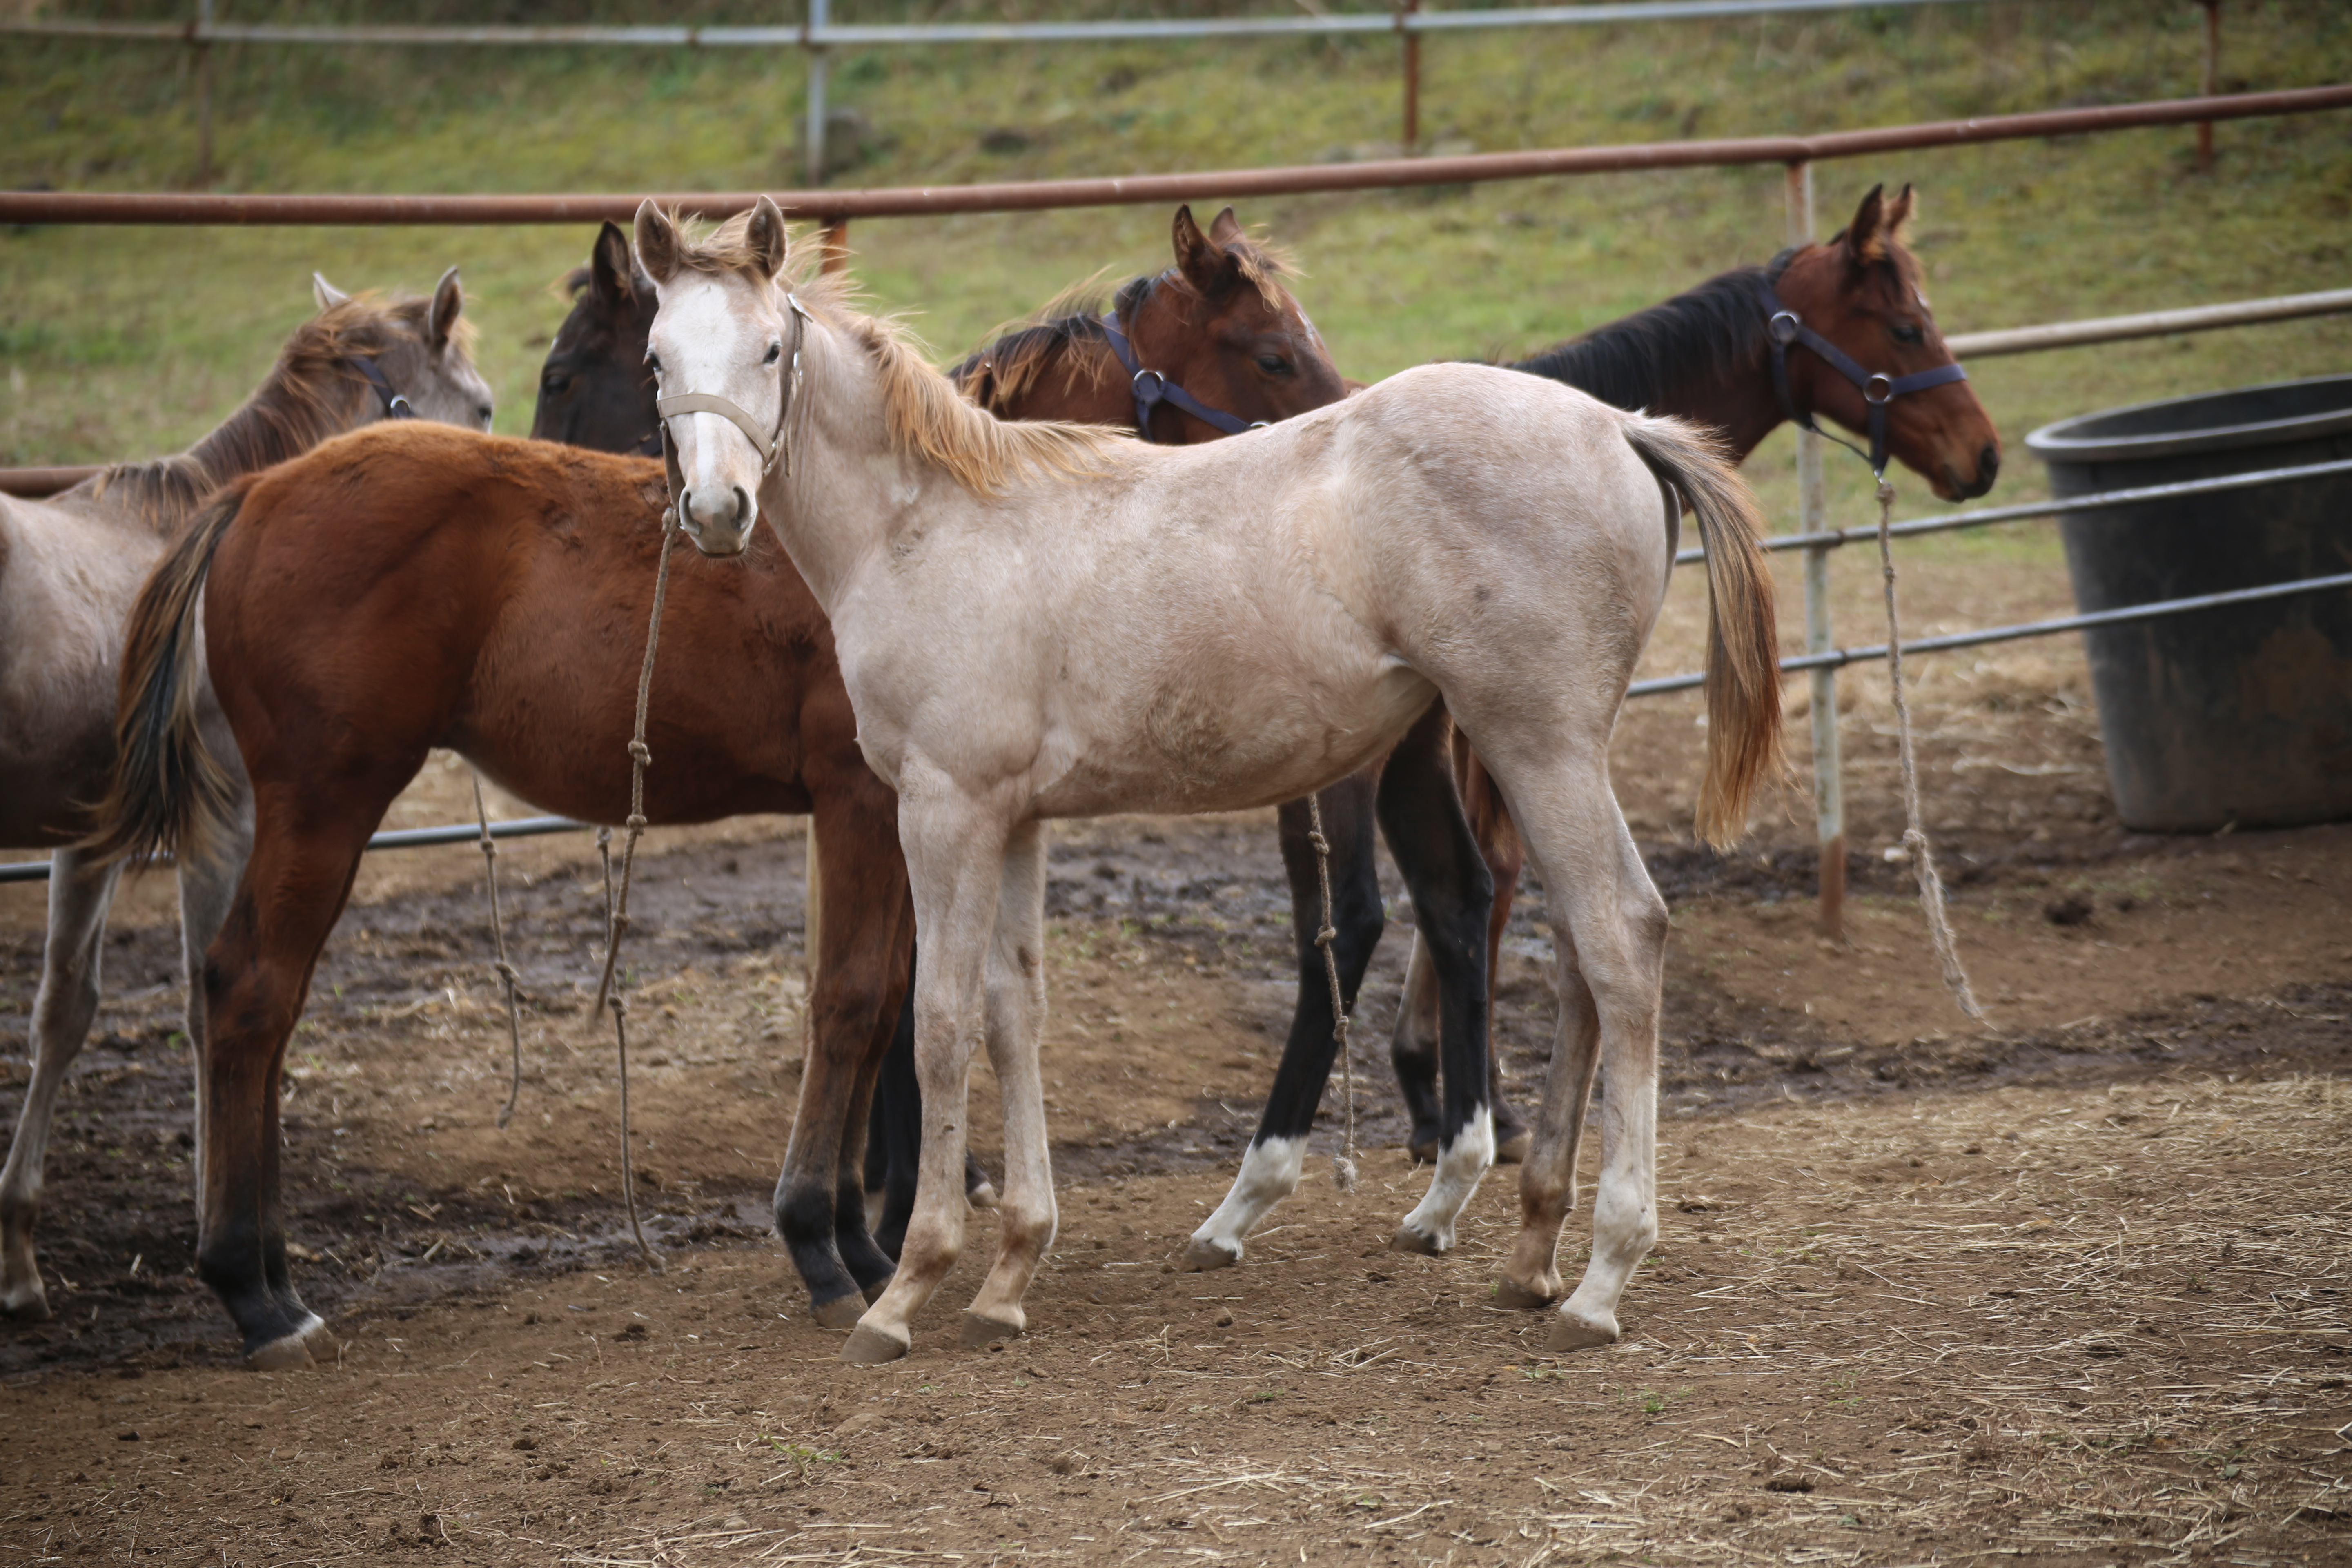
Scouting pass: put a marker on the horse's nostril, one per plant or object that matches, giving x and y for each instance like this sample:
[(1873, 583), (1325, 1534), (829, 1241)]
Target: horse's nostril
[(1989, 463), (742, 507)]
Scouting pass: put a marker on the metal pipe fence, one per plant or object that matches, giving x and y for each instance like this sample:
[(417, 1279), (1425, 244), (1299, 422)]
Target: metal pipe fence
[(817, 35)]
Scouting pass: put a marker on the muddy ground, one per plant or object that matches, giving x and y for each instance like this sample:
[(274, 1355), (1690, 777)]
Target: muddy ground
[(2069, 1291)]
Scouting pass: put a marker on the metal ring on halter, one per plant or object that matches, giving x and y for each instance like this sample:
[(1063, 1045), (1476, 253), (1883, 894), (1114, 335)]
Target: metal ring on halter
[(1878, 389), (1783, 326), (1148, 386)]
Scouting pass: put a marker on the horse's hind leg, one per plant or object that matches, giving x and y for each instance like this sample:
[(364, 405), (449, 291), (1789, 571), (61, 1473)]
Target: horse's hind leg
[(893, 1133), (1026, 1216), (1429, 835), (1278, 1154), (255, 976), (1613, 929), (63, 1009)]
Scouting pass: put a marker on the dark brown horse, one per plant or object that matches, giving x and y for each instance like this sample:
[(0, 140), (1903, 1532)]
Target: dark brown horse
[(385, 596), (595, 390), (1708, 356)]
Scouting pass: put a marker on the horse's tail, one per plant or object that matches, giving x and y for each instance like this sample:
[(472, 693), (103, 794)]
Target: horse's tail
[(168, 792), (1743, 667)]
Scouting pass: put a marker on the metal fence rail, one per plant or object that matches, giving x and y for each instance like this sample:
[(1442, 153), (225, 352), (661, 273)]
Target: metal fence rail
[(835, 208), (397, 838)]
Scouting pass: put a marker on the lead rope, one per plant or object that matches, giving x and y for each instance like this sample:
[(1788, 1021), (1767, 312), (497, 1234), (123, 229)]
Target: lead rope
[(1343, 1169), (1914, 836), (505, 971), (608, 992)]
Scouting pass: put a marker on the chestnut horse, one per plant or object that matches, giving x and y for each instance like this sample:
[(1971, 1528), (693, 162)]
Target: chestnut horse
[(375, 600), (70, 567)]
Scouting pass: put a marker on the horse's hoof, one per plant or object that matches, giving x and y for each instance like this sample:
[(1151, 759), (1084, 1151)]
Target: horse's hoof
[(1423, 1151), (978, 1330), (30, 1305), (287, 1354), (1201, 1255), (1512, 1149), (1408, 1239), (317, 1339), (868, 1346), (840, 1314), (1572, 1331), (1510, 1292), (981, 1195)]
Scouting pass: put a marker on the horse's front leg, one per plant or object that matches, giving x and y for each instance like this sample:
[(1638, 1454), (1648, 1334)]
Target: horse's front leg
[(79, 895), (955, 860), (1016, 1027)]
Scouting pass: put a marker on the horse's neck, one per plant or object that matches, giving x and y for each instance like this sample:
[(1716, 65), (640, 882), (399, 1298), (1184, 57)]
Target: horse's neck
[(842, 489), (279, 421), (1701, 356), (1081, 382)]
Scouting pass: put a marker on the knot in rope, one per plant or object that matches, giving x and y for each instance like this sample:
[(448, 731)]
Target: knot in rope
[(1324, 938), (640, 753), (636, 821)]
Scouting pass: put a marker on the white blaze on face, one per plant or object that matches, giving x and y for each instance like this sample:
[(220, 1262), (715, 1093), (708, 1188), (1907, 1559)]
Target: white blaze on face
[(709, 336)]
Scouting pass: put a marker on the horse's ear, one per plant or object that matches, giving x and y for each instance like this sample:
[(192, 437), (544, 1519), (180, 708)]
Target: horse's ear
[(1225, 228), (657, 242), (610, 270), (1866, 237), (1206, 265), (1899, 213), (326, 293), (766, 237), (448, 301)]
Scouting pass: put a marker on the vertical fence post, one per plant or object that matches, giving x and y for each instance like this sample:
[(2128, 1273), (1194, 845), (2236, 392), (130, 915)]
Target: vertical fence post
[(1812, 515), (813, 132), (1411, 75), (2212, 80), (204, 49)]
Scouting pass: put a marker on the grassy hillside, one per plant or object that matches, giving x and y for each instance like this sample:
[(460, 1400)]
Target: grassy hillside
[(123, 341)]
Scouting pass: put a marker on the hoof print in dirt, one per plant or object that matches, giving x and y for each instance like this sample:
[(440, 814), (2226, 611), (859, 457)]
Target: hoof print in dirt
[(872, 1347)]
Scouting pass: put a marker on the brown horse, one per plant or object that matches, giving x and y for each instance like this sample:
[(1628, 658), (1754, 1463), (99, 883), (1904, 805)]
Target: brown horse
[(383, 598), (1707, 355)]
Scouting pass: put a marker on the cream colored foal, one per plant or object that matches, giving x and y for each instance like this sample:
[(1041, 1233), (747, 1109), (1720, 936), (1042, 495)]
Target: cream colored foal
[(1039, 621)]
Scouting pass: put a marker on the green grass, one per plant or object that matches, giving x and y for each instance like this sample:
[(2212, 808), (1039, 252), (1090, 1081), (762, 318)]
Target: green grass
[(123, 341)]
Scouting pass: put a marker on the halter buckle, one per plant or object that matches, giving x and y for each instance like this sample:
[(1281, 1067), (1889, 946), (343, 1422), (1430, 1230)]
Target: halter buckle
[(1784, 326)]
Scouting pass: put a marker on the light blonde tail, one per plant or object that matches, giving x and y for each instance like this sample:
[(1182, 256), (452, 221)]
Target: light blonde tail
[(1743, 664), (168, 795)]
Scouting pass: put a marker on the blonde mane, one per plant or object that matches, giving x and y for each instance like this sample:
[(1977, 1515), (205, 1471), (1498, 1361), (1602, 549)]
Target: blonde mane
[(929, 416)]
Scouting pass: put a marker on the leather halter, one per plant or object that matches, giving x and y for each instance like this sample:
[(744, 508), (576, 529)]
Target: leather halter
[(1150, 389), (1786, 328), (769, 443), (396, 407)]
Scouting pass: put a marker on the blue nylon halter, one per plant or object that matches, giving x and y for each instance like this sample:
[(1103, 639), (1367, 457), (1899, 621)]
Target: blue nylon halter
[(1786, 328), (1150, 389)]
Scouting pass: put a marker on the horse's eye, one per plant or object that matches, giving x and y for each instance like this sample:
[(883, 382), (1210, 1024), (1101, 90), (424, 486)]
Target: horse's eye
[(653, 361), (775, 353), (1272, 365), (554, 383), (1905, 332)]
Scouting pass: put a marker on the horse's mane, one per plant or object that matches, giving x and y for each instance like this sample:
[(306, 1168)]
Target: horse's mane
[(929, 415), (1713, 332), (303, 400), (1019, 350)]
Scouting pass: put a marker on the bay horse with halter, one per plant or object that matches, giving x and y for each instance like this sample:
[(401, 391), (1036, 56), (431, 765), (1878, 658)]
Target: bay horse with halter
[(1035, 621), (1741, 352), (491, 596), (69, 568)]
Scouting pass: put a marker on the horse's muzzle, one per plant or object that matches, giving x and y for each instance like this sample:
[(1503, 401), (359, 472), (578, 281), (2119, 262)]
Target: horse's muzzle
[(717, 535)]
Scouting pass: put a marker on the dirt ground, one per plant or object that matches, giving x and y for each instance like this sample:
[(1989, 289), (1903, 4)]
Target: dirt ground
[(2070, 1290)]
